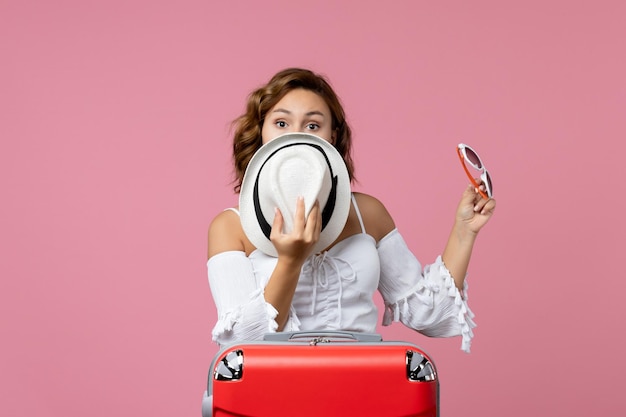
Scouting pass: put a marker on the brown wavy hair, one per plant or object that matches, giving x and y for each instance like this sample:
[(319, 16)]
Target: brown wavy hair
[(247, 127)]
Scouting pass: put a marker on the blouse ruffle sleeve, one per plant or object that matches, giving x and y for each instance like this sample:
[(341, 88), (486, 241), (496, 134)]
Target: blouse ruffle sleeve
[(425, 299), (242, 312)]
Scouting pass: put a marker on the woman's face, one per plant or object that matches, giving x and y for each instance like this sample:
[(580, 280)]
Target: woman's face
[(299, 110)]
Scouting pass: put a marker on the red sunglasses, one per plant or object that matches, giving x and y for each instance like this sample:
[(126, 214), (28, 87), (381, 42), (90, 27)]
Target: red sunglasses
[(469, 156)]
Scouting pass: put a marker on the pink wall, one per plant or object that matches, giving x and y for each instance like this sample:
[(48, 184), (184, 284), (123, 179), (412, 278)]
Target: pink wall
[(115, 156)]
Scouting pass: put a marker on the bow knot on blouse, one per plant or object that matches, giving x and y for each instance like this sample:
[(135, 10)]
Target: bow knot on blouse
[(322, 267)]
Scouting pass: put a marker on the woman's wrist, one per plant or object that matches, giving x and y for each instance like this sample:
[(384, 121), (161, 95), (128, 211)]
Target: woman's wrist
[(289, 264), (463, 233)]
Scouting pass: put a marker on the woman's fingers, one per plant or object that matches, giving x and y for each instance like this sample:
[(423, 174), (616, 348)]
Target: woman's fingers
[(299, 221), (482, 205), (488, 206), (305, 233), (277, 224), (310, 227), (314, 222)]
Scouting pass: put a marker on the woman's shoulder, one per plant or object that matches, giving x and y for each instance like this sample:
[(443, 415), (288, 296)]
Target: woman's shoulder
[(367, 200), (225, 218), (376, 219), (225, 233)]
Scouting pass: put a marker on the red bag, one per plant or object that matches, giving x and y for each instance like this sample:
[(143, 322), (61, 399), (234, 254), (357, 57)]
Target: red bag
[(321, 374)]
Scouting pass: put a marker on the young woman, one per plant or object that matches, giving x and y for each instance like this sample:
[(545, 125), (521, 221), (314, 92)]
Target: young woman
[(331, 290)]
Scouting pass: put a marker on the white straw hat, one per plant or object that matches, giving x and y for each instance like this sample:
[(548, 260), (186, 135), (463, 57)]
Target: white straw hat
[(289, 166)]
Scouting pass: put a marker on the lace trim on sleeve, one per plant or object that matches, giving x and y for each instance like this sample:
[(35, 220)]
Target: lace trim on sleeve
[(253, 320), (428, 293)]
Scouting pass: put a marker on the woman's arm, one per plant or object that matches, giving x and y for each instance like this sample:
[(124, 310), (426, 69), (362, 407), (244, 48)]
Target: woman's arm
[(293, 249), (473, 212), (427, 299), (226, 234)]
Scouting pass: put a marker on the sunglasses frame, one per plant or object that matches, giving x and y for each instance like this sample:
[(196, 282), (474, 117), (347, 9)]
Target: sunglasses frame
[(484, 175)]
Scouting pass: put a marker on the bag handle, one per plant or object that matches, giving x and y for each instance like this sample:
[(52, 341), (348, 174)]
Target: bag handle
[(315, 337)]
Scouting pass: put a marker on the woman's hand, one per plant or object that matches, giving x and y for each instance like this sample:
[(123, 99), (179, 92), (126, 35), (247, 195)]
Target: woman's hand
[(293, 248), (474, 211), (297, 245)]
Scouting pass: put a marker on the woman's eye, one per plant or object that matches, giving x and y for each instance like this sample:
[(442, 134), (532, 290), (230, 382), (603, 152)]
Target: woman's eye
[(281, 123), (312, 126)]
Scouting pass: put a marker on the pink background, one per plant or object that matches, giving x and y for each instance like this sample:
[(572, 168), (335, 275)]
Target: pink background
[(115, 157)]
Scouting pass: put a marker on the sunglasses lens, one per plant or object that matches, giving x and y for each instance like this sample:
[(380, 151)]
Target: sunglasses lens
[(473, 158), (489, 184)]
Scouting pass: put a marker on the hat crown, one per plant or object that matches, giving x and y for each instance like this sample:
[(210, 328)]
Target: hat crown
[(292, 172)]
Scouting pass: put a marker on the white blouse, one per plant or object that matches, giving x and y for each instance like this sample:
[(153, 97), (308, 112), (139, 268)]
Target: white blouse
[(335, 292)]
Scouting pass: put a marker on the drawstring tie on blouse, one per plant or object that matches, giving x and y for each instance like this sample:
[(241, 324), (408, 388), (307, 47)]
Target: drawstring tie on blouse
[(321, 266)]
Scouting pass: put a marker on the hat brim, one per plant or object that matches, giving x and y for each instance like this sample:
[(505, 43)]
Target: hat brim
[(255, 224)]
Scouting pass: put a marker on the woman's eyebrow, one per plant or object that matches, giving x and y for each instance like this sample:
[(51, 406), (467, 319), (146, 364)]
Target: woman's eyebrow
[(311, 113)]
